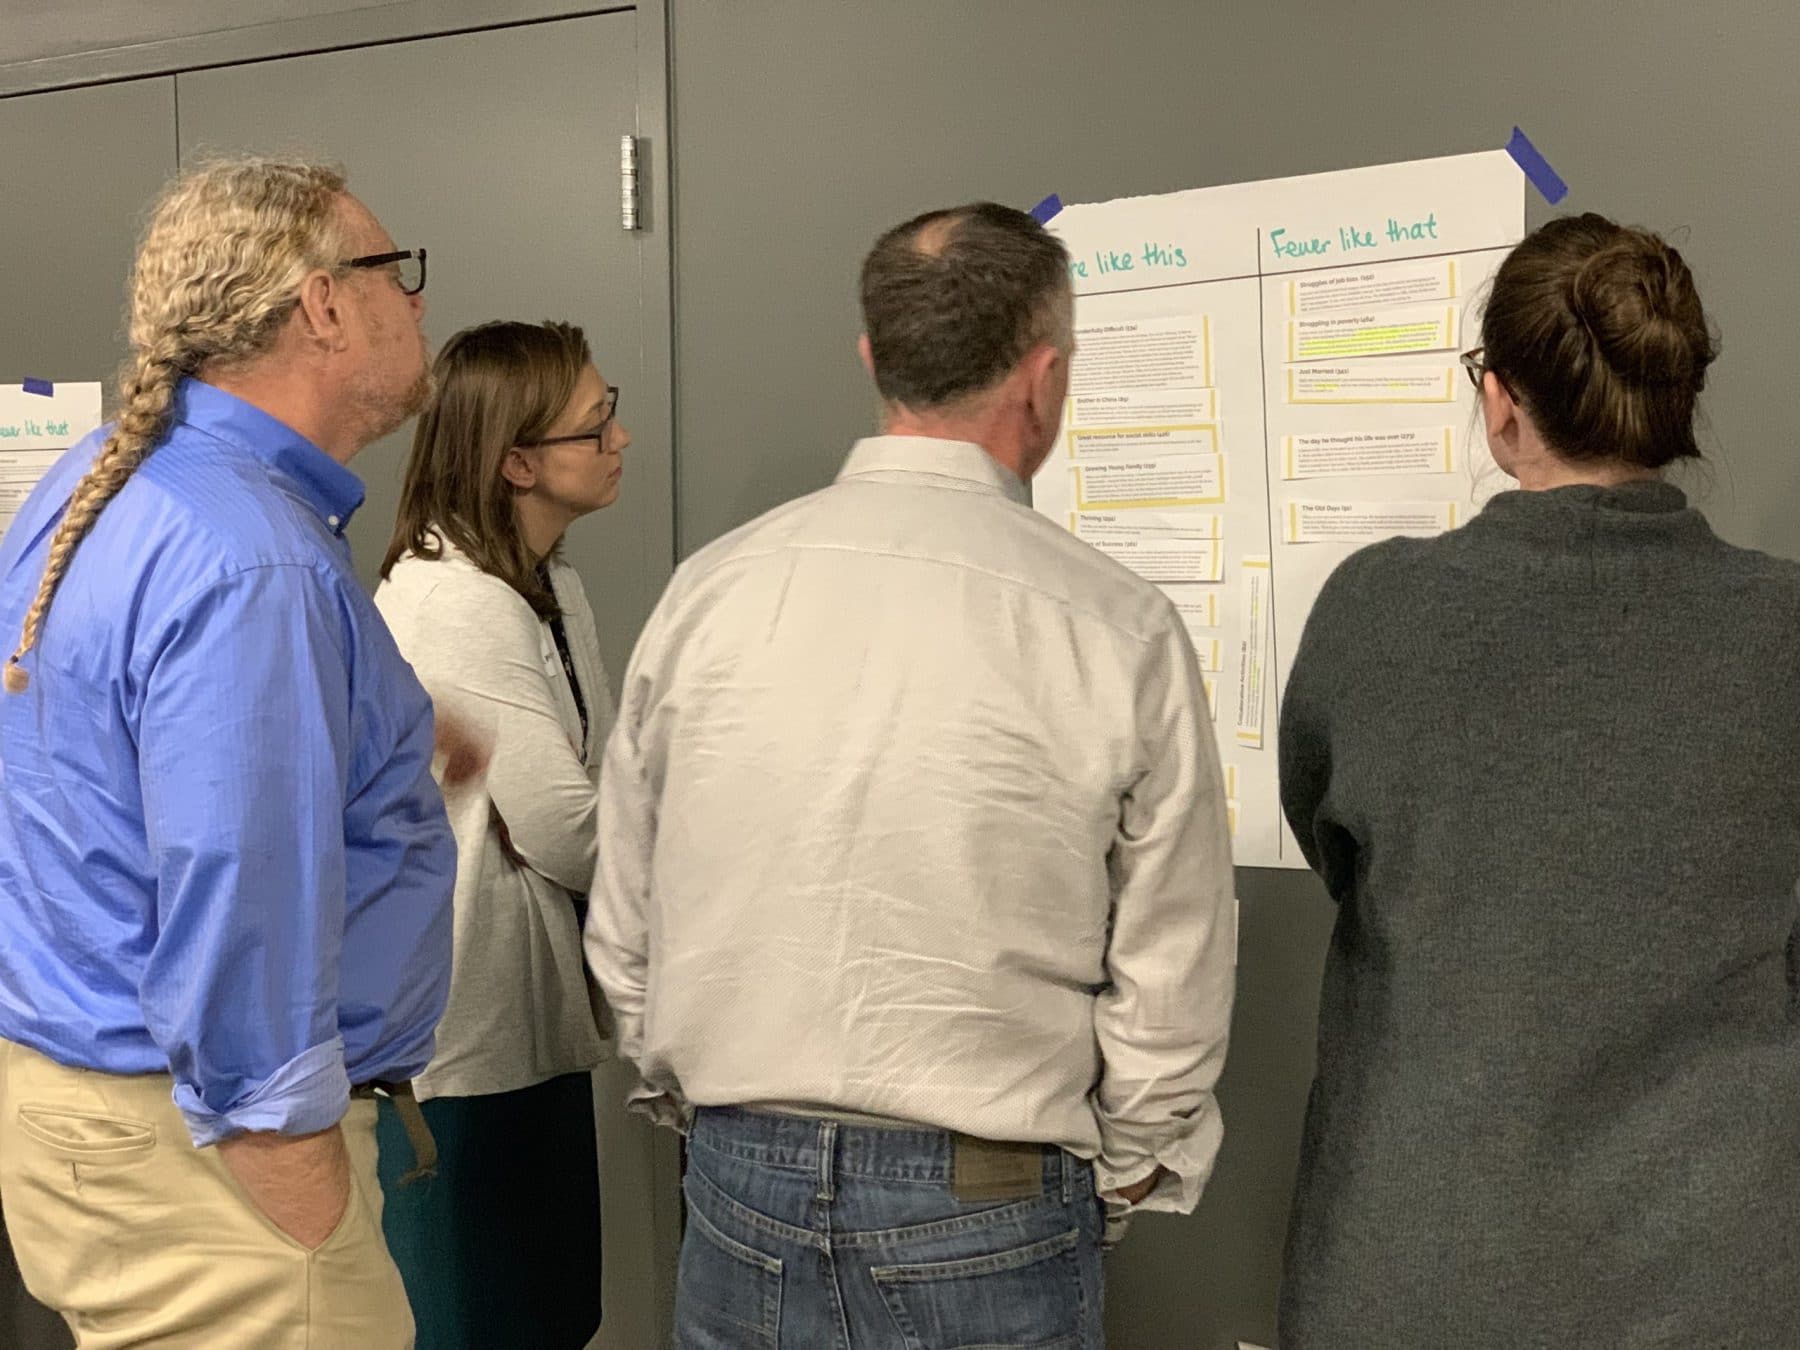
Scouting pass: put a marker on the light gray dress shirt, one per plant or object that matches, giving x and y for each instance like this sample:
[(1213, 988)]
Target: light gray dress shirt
[(913, 810)]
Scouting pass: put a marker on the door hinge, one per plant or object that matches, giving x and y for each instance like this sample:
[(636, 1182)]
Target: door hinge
[(628, 182)]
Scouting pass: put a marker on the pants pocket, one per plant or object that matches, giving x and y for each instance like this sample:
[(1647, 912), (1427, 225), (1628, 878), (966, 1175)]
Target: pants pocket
[(1022, 1298), (87, 1136), (102, 1152), (728, 1295)]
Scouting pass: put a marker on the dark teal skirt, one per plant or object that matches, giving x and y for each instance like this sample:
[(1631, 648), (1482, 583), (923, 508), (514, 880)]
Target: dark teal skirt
[(501, 1248)]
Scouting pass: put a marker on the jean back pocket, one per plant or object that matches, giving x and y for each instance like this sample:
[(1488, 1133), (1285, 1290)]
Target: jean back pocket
[(1023, 1298), (728, 1294)]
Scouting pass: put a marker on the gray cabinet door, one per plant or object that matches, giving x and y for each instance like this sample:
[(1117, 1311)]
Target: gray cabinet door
[(81, 165), (498, 151)]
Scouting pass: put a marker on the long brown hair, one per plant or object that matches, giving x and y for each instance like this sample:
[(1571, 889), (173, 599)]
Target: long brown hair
[(498, 385), (1598, 330), (217, 274)]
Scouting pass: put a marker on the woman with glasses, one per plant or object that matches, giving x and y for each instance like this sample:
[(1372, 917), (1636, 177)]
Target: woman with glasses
[(520, 439), (1548, 766)]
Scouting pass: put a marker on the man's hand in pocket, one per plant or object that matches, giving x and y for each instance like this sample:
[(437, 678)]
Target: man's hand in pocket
[(301, 1183)]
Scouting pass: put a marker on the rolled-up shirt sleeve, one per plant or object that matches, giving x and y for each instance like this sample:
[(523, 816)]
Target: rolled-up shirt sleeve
[(1162, 1020), (244, 752)]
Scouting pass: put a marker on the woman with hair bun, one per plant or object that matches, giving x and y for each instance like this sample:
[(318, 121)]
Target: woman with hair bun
[(1558, 1088)]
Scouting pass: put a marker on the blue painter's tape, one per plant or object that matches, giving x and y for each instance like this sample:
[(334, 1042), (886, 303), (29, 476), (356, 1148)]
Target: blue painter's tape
[(1047, 210), (1544, 178), (43, 387)]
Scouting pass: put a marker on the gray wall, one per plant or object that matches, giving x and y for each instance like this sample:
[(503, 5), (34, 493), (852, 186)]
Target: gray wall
[(62, 285), (39, 29), (803, 127), (60, 42)]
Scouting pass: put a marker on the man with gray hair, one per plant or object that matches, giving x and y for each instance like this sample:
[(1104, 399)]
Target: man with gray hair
[(225, 870), (914, 898)]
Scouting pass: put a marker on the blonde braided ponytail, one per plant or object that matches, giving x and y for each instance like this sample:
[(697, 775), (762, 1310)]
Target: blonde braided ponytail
[(217, 274)]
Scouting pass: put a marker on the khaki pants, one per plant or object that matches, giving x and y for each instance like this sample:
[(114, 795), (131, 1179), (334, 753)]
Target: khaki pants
[(139, 1239)]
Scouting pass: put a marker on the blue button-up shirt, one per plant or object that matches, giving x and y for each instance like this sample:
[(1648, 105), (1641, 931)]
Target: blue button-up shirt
[(222, 854)]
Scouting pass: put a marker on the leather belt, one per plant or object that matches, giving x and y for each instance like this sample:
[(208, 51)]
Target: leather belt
[(412, 1120)]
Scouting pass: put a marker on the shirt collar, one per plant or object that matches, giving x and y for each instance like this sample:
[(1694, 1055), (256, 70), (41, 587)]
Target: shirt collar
[(1638, 533), (958, 464), (314, 476)]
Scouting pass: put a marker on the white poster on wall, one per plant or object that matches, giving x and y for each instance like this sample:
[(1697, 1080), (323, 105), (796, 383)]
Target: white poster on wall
[(1266, 379), (38, 421)]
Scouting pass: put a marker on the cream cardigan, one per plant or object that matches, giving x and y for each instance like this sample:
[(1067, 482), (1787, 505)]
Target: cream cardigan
[(519, 1011)]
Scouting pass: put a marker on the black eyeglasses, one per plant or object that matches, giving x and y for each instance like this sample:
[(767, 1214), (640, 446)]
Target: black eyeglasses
[(609, 410), (408, 267), (1473, 362), (1476, 367)]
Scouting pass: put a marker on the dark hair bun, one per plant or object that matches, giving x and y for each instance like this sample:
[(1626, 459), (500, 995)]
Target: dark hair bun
[(1598, 331), (1637, 300)]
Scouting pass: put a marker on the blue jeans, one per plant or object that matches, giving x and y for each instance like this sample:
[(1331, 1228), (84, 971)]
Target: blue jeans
[(814, 1235)]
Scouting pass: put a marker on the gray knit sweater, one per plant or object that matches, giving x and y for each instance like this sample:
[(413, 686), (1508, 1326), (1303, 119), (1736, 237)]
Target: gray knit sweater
[(1549, 767)]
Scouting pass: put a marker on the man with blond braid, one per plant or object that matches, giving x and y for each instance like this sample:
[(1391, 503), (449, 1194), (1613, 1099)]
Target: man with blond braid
[(225, 870)]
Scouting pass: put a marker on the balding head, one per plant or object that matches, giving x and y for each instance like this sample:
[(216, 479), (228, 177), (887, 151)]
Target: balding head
[(953, 301)]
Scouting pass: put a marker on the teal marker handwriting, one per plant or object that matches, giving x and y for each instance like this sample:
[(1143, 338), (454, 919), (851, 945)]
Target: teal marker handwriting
[(1297, 248), (1150, 258), (1418, 229), (1350, 239), (12, 431), (1164, 255)]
